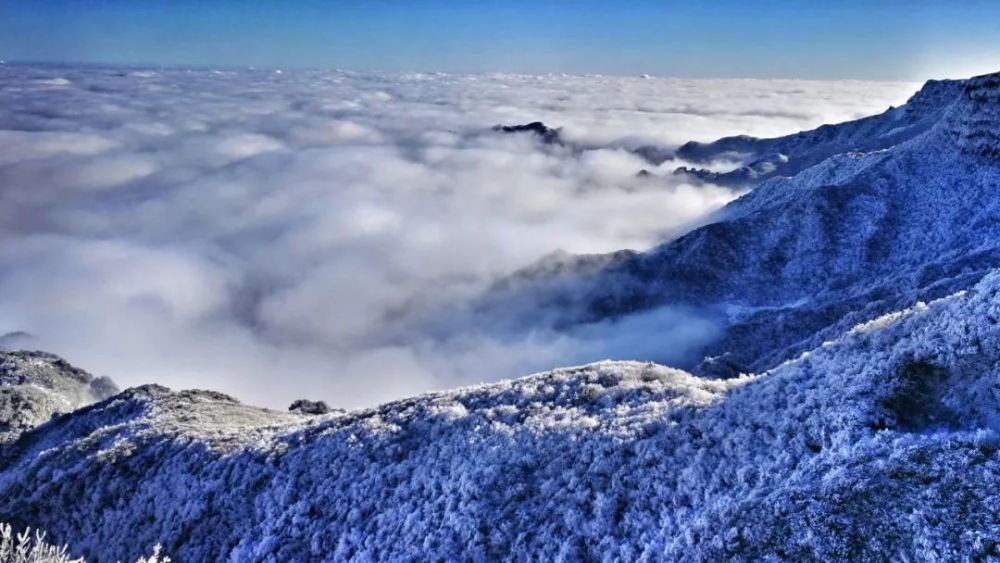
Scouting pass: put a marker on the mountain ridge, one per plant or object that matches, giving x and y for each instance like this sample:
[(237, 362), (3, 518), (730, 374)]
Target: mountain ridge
[(614, 459), (854, 414), (35, 386), (761, 159), (837, 244)]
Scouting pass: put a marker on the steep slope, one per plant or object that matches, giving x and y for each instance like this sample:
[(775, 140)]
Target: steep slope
[(34, 386), (760, 159), (786, 156), (798, 260), (611, 460)]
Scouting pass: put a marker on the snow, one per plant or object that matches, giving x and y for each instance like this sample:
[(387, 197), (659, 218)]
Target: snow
[(613, 459), (859, 235), (865, 424), (34, 386)]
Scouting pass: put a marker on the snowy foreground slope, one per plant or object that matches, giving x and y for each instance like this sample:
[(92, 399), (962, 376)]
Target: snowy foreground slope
[(881, 444)]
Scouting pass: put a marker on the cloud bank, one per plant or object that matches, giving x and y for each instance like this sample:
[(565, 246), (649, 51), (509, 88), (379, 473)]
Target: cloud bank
[(273, 235)]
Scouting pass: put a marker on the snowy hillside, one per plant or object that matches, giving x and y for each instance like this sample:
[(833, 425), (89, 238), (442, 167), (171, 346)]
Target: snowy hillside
[(34, 386), (799, 260), (785, 156), (611, 460)]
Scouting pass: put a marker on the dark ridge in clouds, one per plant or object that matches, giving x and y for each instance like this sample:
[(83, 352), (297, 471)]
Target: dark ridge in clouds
[(287, 235)]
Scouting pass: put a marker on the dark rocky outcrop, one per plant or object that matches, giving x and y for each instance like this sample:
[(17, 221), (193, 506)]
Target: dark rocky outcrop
[(545, 134), (305, 406)]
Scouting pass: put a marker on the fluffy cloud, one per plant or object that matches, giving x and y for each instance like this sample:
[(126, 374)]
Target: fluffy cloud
[(275, 235)]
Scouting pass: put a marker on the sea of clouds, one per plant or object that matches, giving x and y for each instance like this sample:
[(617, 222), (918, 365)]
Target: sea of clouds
[(275, 234)]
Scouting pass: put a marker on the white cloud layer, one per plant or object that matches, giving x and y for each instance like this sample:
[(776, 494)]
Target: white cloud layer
[(269, 235)]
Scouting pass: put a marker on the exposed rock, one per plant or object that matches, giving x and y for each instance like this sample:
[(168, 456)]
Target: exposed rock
[(546, 134), (305, 406)]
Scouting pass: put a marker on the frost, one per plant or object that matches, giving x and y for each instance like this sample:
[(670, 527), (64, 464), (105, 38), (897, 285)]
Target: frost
[(613, 459), (25, 547), (867, 428), (850, 236), (28, 547)]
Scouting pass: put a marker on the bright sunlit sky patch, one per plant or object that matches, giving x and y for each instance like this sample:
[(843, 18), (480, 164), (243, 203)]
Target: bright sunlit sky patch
[(895, 40)]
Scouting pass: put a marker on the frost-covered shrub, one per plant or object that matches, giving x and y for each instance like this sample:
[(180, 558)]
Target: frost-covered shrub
[(28, 547), (155, 557)]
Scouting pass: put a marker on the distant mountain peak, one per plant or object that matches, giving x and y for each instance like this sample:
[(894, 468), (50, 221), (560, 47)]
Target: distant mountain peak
[(548, 135), (34, 386), (786, 156)]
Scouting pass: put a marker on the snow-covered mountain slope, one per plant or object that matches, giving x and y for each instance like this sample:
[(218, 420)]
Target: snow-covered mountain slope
[(785, 156), (799, 260), (34, 386), (882, 443)]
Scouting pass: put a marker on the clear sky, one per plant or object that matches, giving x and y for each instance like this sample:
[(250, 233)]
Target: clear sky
[(891, 39)]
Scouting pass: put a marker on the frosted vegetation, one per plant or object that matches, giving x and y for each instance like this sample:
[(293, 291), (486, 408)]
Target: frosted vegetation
[(799, 260), (35, 385), (610, 460), (866, 427), (30, 547)]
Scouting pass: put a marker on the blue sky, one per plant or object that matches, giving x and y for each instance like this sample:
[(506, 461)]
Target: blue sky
[(909, 40)]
